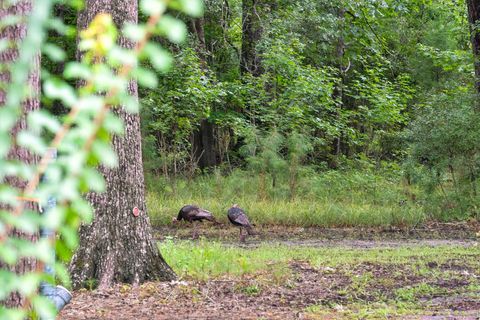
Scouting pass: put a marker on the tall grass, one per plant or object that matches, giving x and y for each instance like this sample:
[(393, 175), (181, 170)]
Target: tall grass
[(330, 199)]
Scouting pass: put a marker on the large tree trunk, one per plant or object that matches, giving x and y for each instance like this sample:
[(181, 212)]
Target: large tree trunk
[(251, 34), (473, 18), (16, 33), (118, 246)]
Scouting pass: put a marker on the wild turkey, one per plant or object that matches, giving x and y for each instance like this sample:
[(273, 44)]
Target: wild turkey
[(238, 218), (193, 214)]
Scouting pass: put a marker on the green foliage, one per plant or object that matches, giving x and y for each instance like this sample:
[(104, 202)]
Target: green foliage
[(210, 259), (363, 81), (267, 159), (81, 138), (448, 154)]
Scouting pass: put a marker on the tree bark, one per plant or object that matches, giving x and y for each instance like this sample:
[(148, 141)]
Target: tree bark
[(204, 137), (118, 246), (251, 34), (201, 47), (473, 18), (16, 33), (338, 91)]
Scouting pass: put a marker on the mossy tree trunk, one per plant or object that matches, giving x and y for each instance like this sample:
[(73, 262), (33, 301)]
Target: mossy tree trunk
[(118, 246), (16, 33)]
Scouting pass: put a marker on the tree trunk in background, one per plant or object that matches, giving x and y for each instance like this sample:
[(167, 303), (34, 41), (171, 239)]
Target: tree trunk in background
[(16, 33), (251, 34), (117, 246), (338, 92), (204, 137), (199, 30), (204, 145), (473, 18)]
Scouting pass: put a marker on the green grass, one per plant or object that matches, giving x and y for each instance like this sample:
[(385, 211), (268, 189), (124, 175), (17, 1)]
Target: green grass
[(331, 199), (210, 259), (370, 283)]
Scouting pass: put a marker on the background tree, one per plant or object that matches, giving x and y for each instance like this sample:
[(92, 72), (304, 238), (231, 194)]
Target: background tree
[(473, 19), (15, 33), (252, 30)]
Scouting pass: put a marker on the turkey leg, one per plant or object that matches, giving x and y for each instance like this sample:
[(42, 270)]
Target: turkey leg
[(195, 231)]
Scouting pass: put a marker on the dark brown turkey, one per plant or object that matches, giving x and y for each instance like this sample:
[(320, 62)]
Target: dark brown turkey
[(239, 218), (192, 214)]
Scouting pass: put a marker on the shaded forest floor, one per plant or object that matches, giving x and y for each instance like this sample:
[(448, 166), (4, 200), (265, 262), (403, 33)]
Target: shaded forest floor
[(432, 272)]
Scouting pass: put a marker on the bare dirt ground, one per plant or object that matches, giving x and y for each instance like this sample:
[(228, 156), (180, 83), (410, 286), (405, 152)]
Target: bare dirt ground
[(333, 289)]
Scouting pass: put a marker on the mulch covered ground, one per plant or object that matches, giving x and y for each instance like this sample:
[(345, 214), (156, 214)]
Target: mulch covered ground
[(267, 296)]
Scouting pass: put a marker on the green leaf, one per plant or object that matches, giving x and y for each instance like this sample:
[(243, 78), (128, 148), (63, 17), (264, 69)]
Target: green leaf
[(68, 189), (83, 209), (91, 103), (130, 104), (193, 8), (10, 20), (61, 273), (152, 7), (135, 32), (44, 307), (104, 152), (54, 52), (113, 124), (105, 79), (160, 58), (28, 283), (119, 57), (58, 26), (56, 89), (54, 217), (5, 144), (76, 70), (8, 254), (94, 180), (8, 195), (9, 117), (70, 236), (174, 29), (7, 279), (41, 118), (31, 141), (146, 78), (27, 222), (44, 251), (12, 314), (4, 44)]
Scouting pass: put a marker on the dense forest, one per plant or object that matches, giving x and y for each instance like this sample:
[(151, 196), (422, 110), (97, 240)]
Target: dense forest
[(287, 89)]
